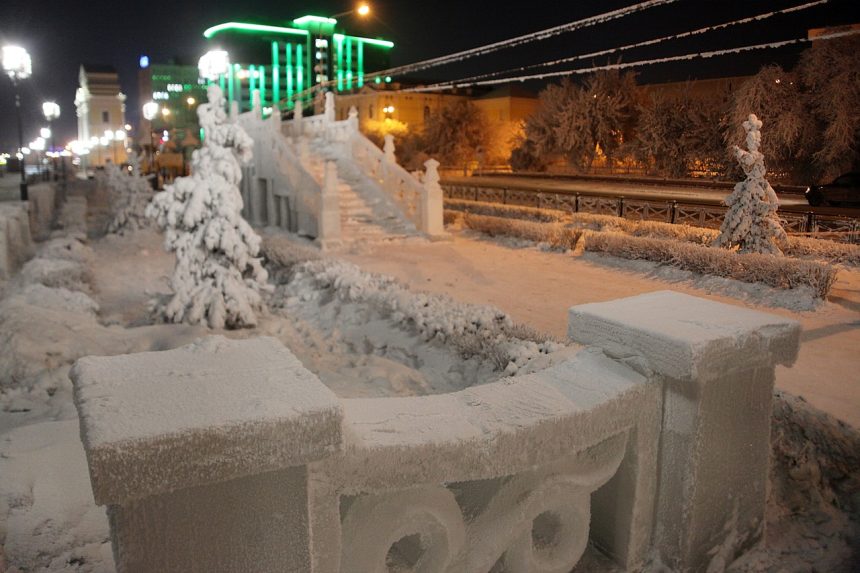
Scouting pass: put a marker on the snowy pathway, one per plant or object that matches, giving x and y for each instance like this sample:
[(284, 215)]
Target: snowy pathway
[(538, 287)]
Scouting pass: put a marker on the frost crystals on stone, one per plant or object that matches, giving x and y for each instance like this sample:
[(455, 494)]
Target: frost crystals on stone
[(751, 223), (218, 278)]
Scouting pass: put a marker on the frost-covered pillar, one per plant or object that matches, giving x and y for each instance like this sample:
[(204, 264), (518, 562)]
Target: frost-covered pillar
[(716, 363), (201, 454), (329, 114), (329, 221), (431, 201), (353, 119), (256, 107)]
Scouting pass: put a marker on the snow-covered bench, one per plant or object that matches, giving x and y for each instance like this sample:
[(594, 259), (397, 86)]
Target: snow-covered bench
[(653, 438)]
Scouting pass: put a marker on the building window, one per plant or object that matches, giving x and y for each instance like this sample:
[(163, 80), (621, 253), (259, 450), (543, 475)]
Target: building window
[(426, 113), (370, 112), (105, 117)]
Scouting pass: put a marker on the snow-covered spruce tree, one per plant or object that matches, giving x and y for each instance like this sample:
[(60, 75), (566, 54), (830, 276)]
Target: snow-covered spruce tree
[(217, 278), (751, 223), (131, 195)]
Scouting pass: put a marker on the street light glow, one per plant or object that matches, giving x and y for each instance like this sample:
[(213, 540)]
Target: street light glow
[(45, 132), (16, 62), (165, 112), (191, 101), (119, 135), (150, 110), (109, 134), (213, 64), (363, 9), (50, 110)]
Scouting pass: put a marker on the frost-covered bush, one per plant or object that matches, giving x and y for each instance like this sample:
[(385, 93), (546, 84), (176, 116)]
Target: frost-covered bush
[(822, 249), (218, 278), (778, 272), (556, 235), (751, 224), (130, 196), (472, 330)]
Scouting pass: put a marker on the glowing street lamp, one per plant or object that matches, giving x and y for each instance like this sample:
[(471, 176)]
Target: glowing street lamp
[(150, 110), (17, 65), (51, 111), (363, 9), (213, 64)]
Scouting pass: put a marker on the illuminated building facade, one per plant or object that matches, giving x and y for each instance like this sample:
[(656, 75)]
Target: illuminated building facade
[(176, 88), (282, 62), (100, 107)]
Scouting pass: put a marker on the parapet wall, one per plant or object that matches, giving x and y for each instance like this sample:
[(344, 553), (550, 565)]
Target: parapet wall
[(229, 455), (16, 245)]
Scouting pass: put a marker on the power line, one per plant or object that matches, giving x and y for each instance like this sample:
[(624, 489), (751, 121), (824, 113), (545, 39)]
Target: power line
[(509, 43), (621, 66), (569, 59)]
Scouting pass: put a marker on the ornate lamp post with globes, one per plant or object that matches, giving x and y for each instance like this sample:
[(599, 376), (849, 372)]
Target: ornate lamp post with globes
[(17, 65)]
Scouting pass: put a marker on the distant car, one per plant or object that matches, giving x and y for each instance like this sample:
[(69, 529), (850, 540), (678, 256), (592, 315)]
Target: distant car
[(844, 191)]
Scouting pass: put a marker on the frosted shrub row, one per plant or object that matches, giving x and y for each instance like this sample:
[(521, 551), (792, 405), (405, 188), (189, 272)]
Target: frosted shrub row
[(511, 211), (556, 235), (472, 330), (778, 272), (801, 247)]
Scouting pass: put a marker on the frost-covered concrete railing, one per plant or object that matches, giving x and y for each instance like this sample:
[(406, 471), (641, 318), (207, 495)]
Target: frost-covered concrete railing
[(652, 442), (16, 245)]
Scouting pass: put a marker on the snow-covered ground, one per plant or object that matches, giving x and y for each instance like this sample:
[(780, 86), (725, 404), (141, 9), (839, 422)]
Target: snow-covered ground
[(79, 299)]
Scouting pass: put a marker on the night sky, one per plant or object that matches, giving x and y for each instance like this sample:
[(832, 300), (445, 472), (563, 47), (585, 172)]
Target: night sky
[(62, 35)]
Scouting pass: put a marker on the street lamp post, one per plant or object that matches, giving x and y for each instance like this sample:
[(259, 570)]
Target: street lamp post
[(45, 134), (150, 110), (52, 111), (17, 65)]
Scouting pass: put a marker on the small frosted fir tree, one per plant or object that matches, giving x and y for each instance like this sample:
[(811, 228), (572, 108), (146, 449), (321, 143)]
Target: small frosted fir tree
[(751, 223), (218, 278), (131, 195)]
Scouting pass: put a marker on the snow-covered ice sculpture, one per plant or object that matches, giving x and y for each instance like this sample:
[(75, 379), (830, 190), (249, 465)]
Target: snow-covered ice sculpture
[(751, 223), (218, 278)]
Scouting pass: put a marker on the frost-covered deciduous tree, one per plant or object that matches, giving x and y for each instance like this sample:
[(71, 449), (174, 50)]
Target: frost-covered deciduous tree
[(751, 223), (131, 194), (830, 74), (681, 134), (574, 121), (218, 278), (457, 133)]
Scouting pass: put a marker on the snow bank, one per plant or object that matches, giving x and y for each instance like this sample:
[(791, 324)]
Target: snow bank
[(48, 519), (472, 330)]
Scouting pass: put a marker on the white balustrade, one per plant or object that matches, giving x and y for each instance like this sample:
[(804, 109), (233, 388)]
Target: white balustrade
[(652, 442)]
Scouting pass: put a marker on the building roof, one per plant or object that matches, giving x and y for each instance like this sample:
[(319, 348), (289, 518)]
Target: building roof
[(98, 68)]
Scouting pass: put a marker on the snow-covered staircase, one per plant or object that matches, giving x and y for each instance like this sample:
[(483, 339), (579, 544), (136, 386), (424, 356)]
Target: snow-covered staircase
[(323, 179), (366, 213)]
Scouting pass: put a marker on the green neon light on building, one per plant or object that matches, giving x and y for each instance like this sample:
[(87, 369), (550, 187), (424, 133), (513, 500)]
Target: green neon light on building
[(315, 19), (348, 63), (243, 27), (222, 82), (380, 43), (289, 68), (338, 38), (230, 84), (360, 63), (276, 74), (251, 79), (300, 84)]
